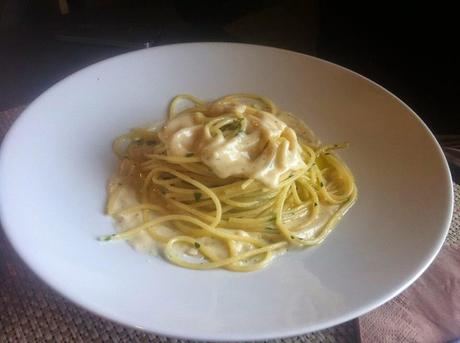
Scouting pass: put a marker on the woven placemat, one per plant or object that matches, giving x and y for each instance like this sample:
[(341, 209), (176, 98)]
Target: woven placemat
[(31, 312)]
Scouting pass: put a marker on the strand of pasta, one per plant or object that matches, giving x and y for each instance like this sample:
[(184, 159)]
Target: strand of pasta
[(172, 256), (176, 99), (179, 217)]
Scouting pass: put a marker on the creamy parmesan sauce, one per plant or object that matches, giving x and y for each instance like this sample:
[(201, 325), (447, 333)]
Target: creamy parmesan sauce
[(127, 198), (264, 150)]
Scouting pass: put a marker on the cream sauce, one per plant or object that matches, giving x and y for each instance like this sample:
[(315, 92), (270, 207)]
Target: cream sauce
[(264, 150)]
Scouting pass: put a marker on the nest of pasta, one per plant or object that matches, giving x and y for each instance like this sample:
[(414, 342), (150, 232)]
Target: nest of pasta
[(180, 185)]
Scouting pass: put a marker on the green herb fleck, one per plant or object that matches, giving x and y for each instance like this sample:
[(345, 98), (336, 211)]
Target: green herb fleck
[(235, 125), (197, 196), (315, 204), (321, 184), (327, 153), (106, 238), (190, 154), (197, 245)]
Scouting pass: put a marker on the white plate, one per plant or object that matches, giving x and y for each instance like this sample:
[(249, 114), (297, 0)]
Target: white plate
[(57, 158)]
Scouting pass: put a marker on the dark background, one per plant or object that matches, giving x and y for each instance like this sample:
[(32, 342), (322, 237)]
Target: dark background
[(408, 47)]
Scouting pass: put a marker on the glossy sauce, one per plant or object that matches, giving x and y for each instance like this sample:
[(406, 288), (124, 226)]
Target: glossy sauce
[(264, 150)]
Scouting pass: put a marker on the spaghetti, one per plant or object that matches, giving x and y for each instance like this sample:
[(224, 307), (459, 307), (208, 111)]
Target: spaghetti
[(227, 184)]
